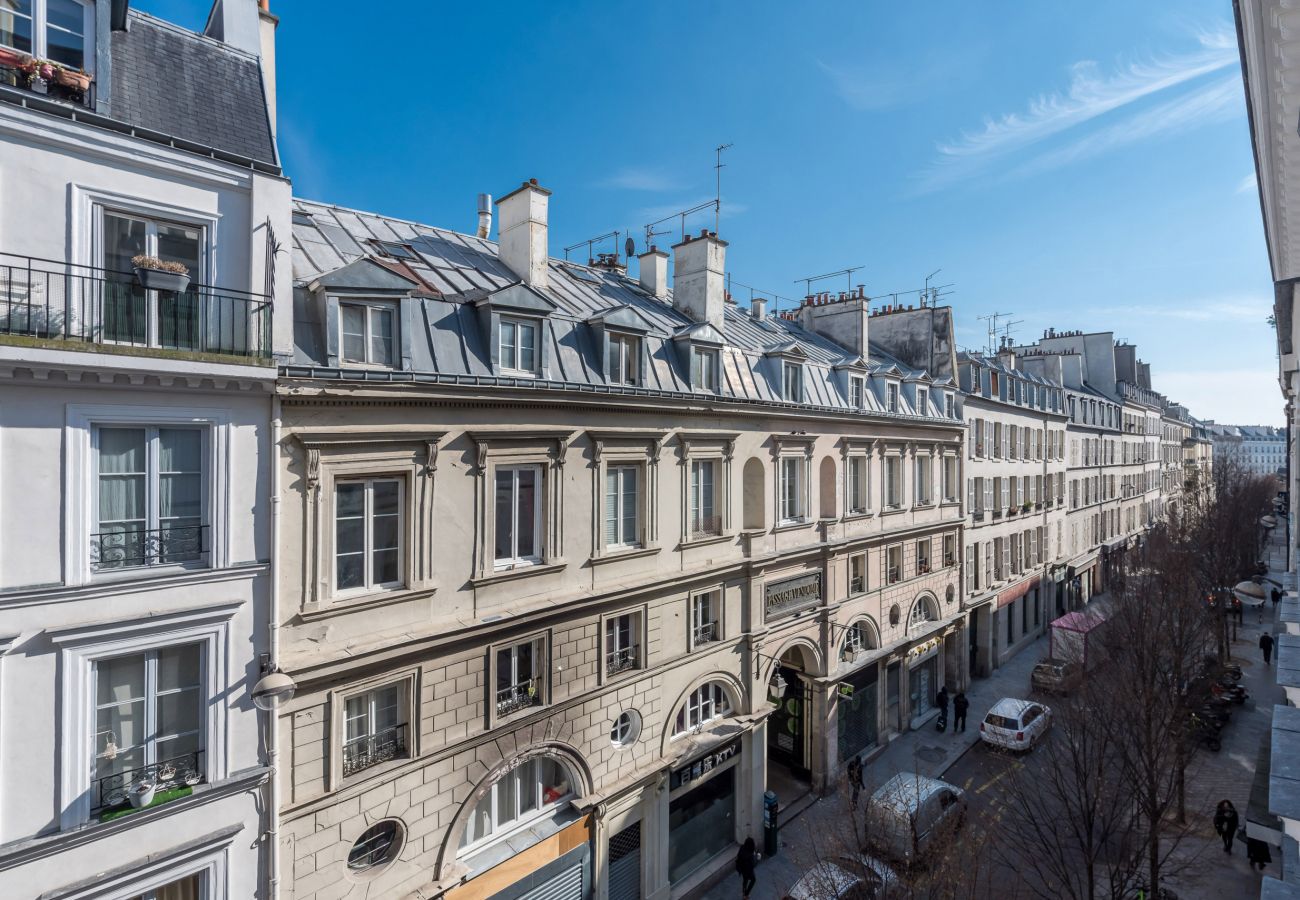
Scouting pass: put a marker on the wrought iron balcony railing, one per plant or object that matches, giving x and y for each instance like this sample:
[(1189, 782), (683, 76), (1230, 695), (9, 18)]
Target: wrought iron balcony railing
[(519, 696), (706, 527), (127, 548), (374, 749), (62, 301), (621, 660), (110, 791), (706, 632)]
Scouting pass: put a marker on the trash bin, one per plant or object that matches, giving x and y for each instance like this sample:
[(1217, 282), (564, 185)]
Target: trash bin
[(770, 809)]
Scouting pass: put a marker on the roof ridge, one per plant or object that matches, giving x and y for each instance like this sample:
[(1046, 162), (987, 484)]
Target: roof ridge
[(194, 35)]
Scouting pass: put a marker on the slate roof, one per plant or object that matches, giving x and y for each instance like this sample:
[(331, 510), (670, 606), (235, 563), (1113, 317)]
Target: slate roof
[(184, 85), (462, 269)]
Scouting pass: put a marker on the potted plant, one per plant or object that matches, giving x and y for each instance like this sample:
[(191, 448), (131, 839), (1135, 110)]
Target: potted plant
[(39, 75), (141, 794), (78, 80), (156, 274), (13, 59)]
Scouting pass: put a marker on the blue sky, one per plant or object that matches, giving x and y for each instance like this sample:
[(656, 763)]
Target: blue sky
[(1080, 166)]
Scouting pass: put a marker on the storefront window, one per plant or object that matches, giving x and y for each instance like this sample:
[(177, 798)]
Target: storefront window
[(858, 712), (701, 824), (924, 687)]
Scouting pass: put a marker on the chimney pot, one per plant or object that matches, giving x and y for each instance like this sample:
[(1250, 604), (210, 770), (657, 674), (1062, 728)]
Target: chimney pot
[(699, 273), (522, 232)]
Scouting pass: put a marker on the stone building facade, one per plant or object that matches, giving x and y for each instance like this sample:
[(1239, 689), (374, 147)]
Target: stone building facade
[(577, 566)]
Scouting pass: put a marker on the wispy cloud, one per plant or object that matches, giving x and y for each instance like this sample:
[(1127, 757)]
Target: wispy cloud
[(636, 178), (1091, 94), (1247, 184), (865, 88), (1214, 309)]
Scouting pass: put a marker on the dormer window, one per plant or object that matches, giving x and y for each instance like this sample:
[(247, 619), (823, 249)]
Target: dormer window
[(49, 29), (922, 402), (704, 369), (518, 346), (368, 332), (891, 397), (857, 392), (792, 382), (624, 359), (949, 405)]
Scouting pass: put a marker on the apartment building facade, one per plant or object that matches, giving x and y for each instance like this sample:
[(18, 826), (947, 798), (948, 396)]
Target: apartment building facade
[(1015, 491), (579, 562), (135, 427)]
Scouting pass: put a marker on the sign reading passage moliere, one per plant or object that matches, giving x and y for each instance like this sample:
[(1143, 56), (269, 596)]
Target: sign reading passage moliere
[(793, 593)]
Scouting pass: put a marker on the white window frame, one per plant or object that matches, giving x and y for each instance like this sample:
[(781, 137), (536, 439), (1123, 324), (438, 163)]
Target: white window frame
[(857, 484), (541, 670), (543, 809), (515, 560), (404, 684), (371, 307), (798, 498), (894, 564), (40, 39), (695, 489), (81, 474), (698, 623), (622, 351), (368, 585), (892, 488), (855, 641), (923, 480), (701, 709), (858, 560), (81, 647), (513, 365), (922, 401), (792, 381), (891, 396), (928, 560), (636, 637), (706, 369), (857, 392), (623, 541)]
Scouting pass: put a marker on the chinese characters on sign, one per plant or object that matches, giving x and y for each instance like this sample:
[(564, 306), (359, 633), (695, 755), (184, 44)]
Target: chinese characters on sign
[(704, 765)]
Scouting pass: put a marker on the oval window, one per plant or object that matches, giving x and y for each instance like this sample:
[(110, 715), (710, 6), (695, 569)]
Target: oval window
[(377, 845), (627, 728)]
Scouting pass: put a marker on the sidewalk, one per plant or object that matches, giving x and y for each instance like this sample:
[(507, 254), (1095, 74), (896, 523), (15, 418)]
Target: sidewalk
[(926, 751)]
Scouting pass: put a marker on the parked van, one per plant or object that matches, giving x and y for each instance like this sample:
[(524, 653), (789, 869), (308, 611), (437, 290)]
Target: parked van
[(909, 811)]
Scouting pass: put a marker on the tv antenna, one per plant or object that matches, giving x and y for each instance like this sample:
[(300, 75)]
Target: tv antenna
[(717, 201), (847, 273), (1006, 331), (651, 234), (993, 319)]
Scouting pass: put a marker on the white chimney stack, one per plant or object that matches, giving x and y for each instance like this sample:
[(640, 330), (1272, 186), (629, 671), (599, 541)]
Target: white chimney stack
[(654, 272), (758, 308), (484, 215), (521, 227), (699, 286)]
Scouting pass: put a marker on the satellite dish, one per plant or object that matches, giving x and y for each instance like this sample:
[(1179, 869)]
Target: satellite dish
[(629, 247)]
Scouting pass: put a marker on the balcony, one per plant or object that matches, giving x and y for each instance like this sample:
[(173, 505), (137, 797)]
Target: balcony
[(519, 697), (705, 633), (152, 785), (48, 300), (374, 749), (53, 82), (705, 527), (622, 660), (132, 548)]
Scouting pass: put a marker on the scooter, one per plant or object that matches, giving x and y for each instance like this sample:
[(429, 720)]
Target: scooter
[(1237, 694)]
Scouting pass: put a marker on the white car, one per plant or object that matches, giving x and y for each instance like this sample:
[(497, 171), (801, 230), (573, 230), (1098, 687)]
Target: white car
[(1015, 724), (864, 878)]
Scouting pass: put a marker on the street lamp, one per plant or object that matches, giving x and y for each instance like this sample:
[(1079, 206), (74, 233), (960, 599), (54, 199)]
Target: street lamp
[(274, 688)]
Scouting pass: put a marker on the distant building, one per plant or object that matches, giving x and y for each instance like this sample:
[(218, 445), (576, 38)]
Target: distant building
[(1259, 449)]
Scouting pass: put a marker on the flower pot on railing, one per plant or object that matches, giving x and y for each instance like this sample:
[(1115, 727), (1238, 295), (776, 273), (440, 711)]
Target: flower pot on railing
[(78, 81), (39, 85), (141, 794), (13, 59), (160, 274)]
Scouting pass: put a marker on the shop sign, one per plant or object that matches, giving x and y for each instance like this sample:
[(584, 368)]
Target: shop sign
[(793, 593), (846, 690), (923, 648), (704, 765)]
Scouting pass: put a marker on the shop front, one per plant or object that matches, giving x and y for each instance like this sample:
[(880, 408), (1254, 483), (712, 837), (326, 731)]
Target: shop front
[(702, 809), (858, 712), (924, 679)]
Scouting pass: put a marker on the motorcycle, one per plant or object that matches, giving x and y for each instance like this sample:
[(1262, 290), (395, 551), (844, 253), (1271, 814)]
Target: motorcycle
[(1237, 694)]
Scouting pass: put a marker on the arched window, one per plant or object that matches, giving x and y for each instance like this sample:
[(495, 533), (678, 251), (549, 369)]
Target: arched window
[(755, 494), (922, 612), (704, 704), (826, 487), (856, 639), (531, 790)]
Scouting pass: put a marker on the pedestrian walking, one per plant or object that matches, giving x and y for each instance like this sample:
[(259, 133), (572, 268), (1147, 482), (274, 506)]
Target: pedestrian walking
[(1277, 596), (959, 707), (941, 701), (1257, 853), (855, 779), (1238, 610), (746, 860), (1266, 644), (1225, 823)]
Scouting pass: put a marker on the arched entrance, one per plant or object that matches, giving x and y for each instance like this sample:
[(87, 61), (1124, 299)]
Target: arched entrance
[(789, 747)]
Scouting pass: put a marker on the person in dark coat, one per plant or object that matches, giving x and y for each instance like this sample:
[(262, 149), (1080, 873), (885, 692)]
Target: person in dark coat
[(855, 779), (746, 860), (1225, 823), (1257, 853), (1266, 644), (1277, 596), (959, 707), (941, 701)]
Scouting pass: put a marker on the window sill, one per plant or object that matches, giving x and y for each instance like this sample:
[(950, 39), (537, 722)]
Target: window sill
[(338, 606), (703, 540), (856, 515), (893, 511), (624, 553), (517, 572), (791, 526), (926, 505), (135, 573)]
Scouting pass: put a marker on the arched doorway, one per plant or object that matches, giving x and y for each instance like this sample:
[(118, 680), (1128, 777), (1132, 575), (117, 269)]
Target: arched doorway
[(789, 747)]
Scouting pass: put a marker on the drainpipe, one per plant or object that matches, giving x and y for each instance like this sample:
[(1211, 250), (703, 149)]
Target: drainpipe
[(273, 647)]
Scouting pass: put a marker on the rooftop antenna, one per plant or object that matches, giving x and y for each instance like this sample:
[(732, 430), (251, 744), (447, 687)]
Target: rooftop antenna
[(992, 318), (847, 273), (717, 201), (927, 297), (590, 242), (651, 234), (1007, 329)]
